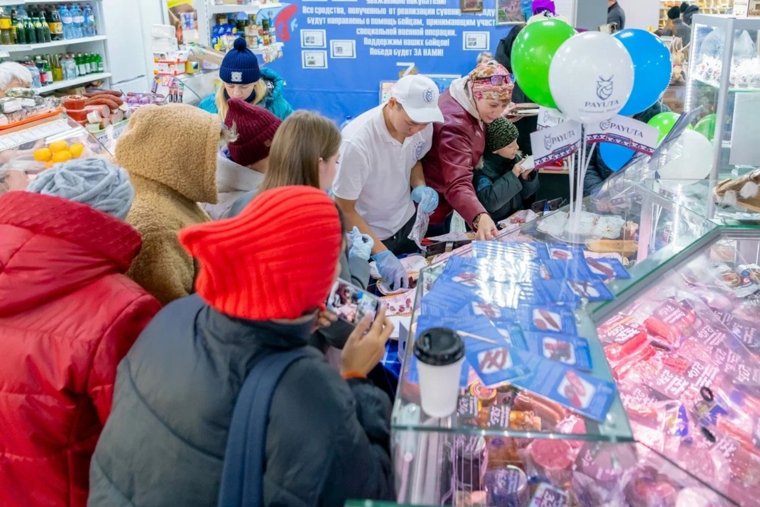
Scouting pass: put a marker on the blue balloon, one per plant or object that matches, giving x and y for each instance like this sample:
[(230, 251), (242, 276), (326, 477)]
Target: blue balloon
[(652, 68), (615, 156)]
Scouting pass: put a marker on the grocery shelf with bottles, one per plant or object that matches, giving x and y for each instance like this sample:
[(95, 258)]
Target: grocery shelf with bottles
[(64, 41), (220, 23)]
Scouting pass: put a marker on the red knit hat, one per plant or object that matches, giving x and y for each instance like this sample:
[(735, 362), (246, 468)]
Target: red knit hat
[(276, 260), (255, 128)]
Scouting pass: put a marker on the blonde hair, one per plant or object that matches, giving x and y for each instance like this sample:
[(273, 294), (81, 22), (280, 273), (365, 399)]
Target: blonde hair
[(259, 87), (301, 141)]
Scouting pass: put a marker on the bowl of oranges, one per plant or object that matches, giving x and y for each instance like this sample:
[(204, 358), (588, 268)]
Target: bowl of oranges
[(58, 152)]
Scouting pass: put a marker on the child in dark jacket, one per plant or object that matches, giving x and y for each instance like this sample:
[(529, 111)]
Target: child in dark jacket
[(502, 185)]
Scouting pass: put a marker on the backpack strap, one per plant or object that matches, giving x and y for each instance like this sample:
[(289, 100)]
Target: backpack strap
[(244, 456)]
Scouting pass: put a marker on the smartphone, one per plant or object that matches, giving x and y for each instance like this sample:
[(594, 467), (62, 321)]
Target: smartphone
[(351, 304)]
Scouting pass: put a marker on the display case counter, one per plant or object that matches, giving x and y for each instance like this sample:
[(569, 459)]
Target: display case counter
[(26, 151), (612, 366), (724, 92)]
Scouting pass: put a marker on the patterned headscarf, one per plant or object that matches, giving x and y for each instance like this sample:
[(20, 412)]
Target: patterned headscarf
[(491, 81)]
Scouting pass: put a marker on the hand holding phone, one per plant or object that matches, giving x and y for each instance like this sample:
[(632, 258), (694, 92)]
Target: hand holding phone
[(366, 345), (351, 303)]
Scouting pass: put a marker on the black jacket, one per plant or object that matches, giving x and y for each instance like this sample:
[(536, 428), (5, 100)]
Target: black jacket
[(689, 13), (499, 191), (163, 445), (525, 126), (616, 14)]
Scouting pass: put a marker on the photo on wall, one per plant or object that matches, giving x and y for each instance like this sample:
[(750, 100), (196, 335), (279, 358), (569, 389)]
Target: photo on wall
[(471, 5), (509, 12)]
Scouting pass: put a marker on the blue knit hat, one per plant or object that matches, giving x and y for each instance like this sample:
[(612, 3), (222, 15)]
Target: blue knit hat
[(92, 181), (240, 66)]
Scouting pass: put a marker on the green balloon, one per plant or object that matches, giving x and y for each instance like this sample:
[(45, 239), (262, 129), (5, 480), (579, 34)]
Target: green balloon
[(706, 126), (532, 55), (664, 123)]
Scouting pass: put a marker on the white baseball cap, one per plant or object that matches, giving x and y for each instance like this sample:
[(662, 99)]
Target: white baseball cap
[(419, 97)]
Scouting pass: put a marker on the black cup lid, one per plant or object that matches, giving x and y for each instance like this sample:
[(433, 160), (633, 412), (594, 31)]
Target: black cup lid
[(439, 346)]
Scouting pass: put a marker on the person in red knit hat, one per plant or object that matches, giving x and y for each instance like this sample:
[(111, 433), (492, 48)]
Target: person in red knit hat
[(241, 165), (264, 277)]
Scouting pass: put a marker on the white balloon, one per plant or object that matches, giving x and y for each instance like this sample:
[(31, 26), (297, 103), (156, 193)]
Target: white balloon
[(690, 159), (591, 77)]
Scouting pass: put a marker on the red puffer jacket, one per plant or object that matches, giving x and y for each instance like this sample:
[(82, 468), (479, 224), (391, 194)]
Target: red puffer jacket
[(67, 317)]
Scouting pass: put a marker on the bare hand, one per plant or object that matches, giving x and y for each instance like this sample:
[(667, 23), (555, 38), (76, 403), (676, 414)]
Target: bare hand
[(517, 170), (325, 319), (364, 349), (487, 229), (16, 180)]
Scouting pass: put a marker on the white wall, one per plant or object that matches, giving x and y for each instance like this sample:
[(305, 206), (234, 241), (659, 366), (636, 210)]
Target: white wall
[(128, 24), (641, 13)]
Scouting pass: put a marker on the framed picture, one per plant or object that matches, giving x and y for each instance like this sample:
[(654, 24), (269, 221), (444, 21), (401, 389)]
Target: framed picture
[(476, 41), (313, 39), (314, 59), (343, 49), (471, 5), (510, 12)]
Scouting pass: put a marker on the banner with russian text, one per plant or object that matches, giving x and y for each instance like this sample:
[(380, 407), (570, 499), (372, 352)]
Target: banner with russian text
[(337, 54)]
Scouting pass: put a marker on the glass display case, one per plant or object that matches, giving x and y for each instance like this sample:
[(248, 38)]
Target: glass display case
[(27, 150), (612, 366), (683, 346), (724, 90)]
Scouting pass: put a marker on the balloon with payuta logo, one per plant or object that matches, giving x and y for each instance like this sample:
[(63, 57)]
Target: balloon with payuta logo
[(591, 77)]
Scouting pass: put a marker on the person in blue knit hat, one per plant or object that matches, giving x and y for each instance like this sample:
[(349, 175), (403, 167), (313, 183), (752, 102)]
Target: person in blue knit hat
[(243, 79)]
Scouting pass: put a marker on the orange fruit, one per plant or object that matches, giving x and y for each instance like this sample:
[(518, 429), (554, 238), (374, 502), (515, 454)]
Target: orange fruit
[(76, 150), (61, 156), (58, 146), (43, 154)]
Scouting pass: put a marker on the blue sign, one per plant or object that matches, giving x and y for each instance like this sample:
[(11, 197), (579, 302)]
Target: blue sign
[(337, 53)]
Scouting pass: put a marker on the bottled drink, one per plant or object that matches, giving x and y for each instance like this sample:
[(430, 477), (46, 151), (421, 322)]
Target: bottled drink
[(55, 24), (88, 28), (69, 67), (82, 65), (78, 21), (57, 68), (48, 71), (6, 27), (66, 20), (31, 32), (39, 33), (73, 67), (19, 32), (43, 75), (101, 66), (36, 81)]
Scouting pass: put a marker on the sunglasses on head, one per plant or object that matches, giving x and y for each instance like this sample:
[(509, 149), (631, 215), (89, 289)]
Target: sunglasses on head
[(496, 80)]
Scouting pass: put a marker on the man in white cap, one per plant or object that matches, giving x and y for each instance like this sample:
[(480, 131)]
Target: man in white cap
[(380, 175)]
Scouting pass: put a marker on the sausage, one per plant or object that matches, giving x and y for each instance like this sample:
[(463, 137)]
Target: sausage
[(97, 91), (103, 101), (114, 98)]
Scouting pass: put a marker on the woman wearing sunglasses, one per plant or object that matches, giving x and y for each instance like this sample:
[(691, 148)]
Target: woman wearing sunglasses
[(470, 103)]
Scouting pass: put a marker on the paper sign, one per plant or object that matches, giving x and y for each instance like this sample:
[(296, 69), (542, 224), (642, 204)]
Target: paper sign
[(556, 143), (624, 131), (548, 118)]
